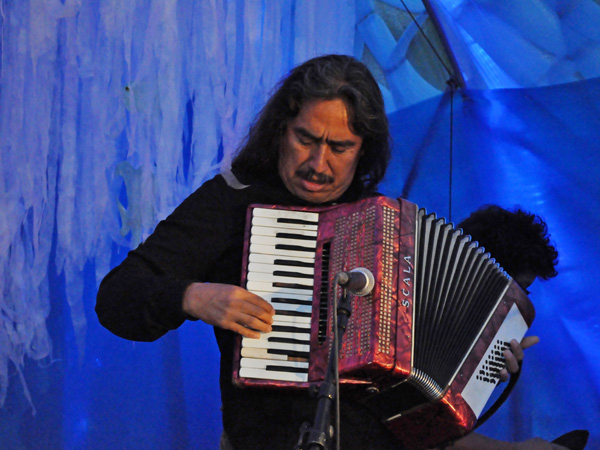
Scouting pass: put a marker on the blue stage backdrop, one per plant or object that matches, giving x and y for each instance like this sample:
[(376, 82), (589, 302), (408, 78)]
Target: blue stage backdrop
[(537, 149), (112, 112)]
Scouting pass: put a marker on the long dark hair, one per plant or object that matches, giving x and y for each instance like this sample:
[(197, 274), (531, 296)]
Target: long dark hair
[(323, 78)]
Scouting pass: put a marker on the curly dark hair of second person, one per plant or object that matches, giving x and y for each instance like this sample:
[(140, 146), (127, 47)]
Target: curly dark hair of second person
[(518, 240), (326, 77)]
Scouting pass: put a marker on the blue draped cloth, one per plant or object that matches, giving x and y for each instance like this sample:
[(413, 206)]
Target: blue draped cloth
[(537, 148)]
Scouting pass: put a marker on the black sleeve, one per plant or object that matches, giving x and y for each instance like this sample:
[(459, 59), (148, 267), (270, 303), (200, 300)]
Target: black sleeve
[(141, 299)]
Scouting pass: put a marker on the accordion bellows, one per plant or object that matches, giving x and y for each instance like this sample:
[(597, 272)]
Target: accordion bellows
[(422, 350)]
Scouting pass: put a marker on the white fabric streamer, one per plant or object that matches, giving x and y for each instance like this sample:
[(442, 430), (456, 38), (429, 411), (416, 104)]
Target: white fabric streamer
[(112, 113)]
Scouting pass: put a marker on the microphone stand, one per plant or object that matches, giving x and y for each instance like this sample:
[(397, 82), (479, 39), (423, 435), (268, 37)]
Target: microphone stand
[(319, 434)]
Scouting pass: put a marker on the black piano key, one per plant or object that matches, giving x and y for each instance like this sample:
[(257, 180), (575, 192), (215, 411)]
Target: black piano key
[(285, 340), (290, 353), (296, 248), (291, 329), (293, 286), (291, 301), (296, 221), (301, 237), (276, 368), (296, 263), (293, 313), (283, 273)]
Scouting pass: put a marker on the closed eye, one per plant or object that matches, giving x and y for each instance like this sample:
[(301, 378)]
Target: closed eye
[(304, 137), (307, 138), (305, 141), (340, 147)]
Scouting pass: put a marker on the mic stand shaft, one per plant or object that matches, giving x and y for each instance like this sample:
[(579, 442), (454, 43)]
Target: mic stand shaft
[(318, 434)]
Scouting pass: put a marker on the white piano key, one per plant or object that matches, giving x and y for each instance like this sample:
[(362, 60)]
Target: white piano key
[(273, 354), (271, 240), (271, 250), (285, 213), (308, 261), (296, 297), (264, 363), (303, 329), (300, 312), (264, 343), (272, 222), (303, 233), (253, 286), (262, 374), (272, 278), (291, 319), (301, 309), (301, 332), (271, 268), (280, 346), (261, 353), (269, 368)]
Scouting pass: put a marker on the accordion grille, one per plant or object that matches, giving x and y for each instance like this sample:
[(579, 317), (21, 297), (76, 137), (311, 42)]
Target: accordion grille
[(353, 246)]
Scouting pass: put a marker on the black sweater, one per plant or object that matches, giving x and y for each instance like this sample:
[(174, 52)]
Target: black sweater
[(202, 240)]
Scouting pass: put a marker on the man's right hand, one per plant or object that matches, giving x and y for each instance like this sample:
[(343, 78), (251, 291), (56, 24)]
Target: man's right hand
[(230, 307)]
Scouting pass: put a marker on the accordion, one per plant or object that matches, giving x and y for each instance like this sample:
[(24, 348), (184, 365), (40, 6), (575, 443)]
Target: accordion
[(422, 351)]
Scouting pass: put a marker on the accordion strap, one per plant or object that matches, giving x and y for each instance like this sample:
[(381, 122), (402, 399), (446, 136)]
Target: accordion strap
[(514, 377)]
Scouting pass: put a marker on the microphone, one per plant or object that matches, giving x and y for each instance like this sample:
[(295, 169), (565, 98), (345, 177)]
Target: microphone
[(359, 281)]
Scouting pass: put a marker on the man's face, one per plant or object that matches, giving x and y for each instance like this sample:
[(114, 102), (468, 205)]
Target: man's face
[(318, 152)]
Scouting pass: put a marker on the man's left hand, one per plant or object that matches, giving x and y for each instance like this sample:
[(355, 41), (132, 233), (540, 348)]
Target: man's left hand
[(515, 355)]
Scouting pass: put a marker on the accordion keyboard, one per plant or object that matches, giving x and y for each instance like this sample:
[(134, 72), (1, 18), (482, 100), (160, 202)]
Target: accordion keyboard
[(281, 270)]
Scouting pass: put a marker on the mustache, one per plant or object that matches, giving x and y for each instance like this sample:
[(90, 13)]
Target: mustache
[(313, 176)]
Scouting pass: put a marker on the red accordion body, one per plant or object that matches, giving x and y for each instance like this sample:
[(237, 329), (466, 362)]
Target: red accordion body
[(422, 350)]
